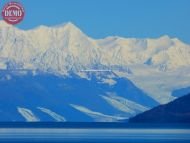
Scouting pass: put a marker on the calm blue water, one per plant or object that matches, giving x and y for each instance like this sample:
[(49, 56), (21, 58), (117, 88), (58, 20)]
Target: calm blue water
[(55, 135)]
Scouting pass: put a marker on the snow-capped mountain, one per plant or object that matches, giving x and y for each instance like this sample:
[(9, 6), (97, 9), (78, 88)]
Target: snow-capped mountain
[(156, 67), (55, 47)]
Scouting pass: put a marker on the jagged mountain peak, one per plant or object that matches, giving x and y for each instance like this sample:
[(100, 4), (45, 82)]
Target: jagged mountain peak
[(68, 25), (166, 37), (66, 45), (70, 29)]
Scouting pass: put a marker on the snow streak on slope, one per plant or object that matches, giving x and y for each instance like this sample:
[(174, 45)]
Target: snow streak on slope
[(124, 105), (54, 115), (28, 115), (98, 117)]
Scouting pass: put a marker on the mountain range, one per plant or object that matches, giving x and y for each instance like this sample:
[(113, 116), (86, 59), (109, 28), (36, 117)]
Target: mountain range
[(61, 74)]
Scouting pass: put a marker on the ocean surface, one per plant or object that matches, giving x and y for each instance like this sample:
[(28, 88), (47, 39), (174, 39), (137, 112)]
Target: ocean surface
[(94, 134)]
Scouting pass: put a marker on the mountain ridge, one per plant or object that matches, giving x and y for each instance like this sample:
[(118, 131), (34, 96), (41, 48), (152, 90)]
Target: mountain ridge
[(177, 111), (153, 52)]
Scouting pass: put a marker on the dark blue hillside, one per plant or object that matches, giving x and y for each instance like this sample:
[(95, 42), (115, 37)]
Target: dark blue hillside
[(57, 93), (177, 111)]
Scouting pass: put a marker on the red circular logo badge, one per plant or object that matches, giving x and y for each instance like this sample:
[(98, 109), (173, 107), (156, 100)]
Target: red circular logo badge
[(13, 13)]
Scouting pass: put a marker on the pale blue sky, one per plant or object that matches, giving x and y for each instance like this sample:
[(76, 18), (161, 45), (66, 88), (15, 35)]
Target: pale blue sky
[(101, 18)]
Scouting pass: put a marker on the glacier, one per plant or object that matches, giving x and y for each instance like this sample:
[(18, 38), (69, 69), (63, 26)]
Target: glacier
[(113, 78)]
